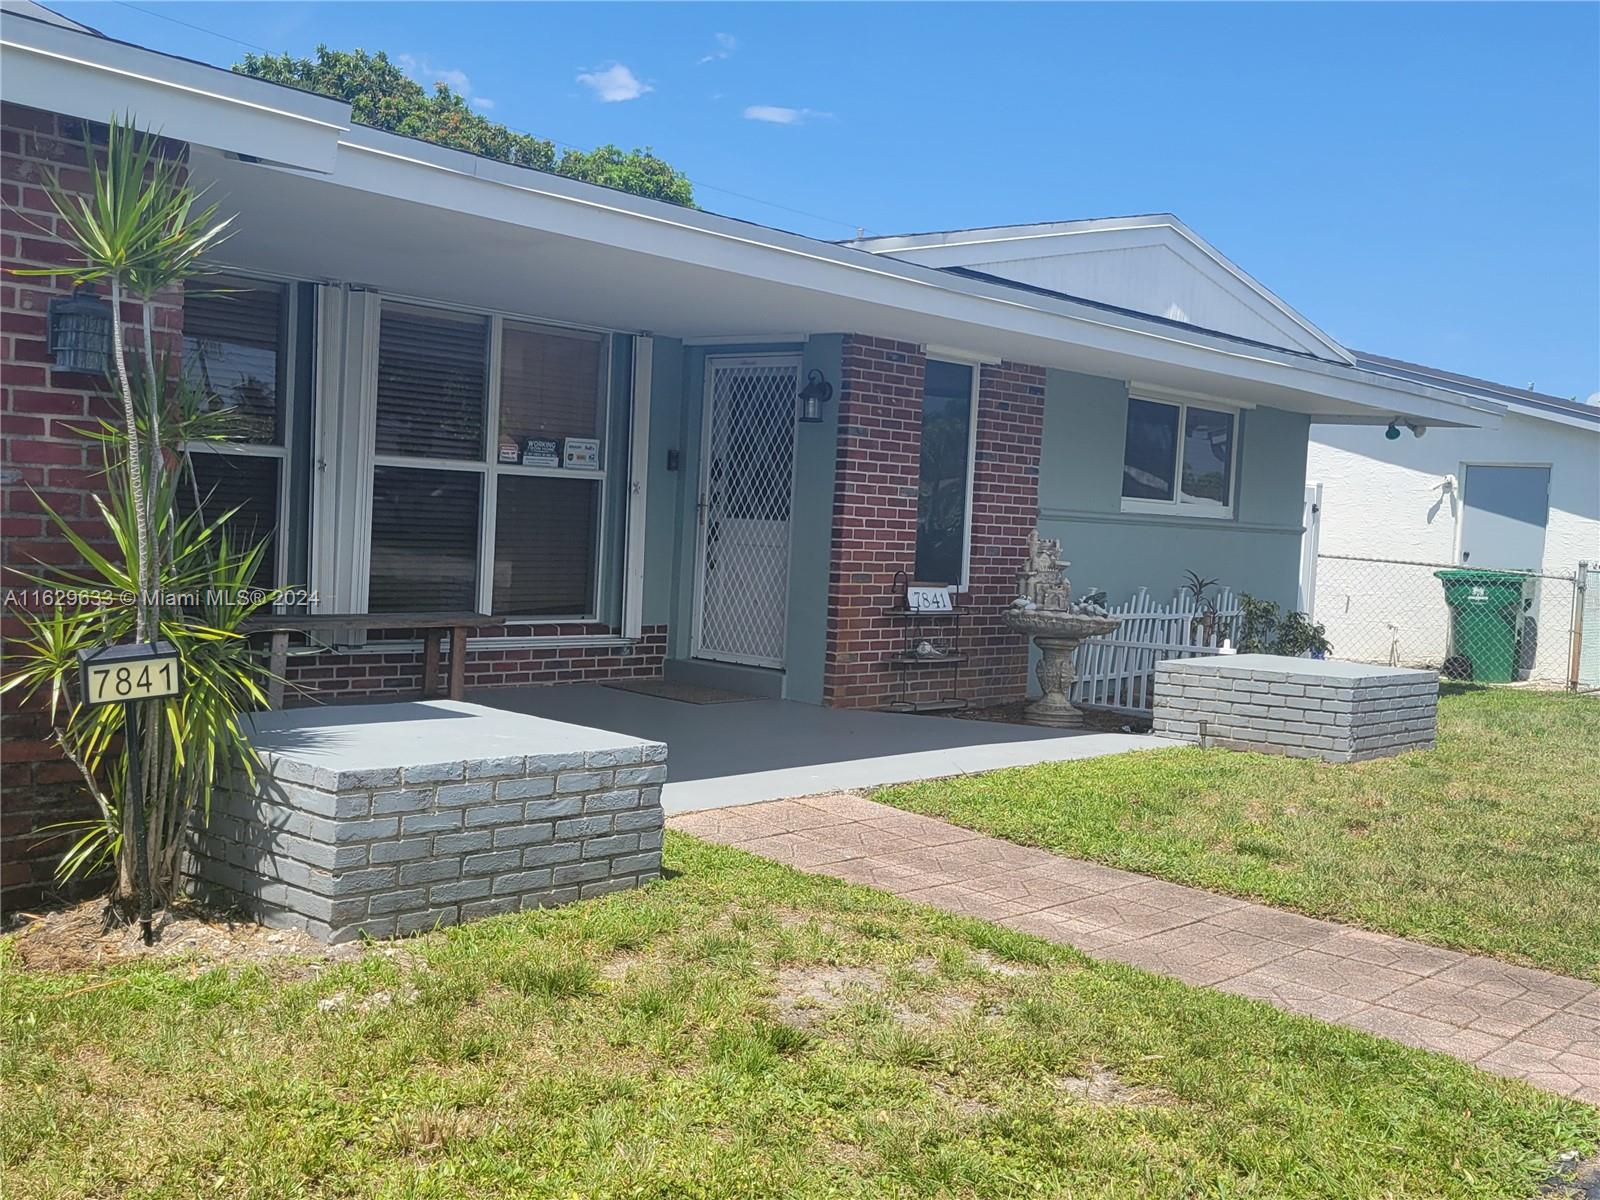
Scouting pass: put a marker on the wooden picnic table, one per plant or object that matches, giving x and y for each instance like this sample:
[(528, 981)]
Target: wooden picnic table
[(432, 625)]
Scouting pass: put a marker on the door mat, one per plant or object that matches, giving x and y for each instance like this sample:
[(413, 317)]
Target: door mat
[(686, 693)]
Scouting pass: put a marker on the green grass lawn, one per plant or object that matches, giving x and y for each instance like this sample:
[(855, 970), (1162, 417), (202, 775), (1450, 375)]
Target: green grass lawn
[(1488, 843), (738, 1029)]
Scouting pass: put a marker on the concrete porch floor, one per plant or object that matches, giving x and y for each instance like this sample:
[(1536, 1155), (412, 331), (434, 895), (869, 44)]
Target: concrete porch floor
[(752, 750)]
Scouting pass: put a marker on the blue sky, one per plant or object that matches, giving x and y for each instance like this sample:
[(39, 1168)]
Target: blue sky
[(1418, 180)]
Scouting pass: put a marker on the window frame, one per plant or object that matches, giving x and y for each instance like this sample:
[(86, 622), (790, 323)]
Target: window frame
[(489, 469), (288, 338), (965, 582), (1177, 506)]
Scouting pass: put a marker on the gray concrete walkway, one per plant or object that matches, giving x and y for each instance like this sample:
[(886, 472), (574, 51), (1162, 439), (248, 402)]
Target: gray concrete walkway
[(1515, 1021), (751, 750)]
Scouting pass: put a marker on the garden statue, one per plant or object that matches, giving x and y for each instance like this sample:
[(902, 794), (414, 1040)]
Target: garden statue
[(1044, 610)]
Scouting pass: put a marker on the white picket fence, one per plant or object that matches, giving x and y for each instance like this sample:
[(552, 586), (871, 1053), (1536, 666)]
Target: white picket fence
[(1116, 671)]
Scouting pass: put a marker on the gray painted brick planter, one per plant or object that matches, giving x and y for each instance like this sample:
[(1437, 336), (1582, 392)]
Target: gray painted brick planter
[(396, 818), (1336, 711)]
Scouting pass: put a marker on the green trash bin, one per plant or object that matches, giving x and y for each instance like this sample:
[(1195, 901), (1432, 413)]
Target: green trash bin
[(1485, 613)]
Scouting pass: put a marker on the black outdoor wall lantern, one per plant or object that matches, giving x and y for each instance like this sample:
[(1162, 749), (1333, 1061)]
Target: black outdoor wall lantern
[(817, 392), (80, 332)]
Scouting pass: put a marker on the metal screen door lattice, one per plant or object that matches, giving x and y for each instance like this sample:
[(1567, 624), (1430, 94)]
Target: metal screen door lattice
[(746, 485)]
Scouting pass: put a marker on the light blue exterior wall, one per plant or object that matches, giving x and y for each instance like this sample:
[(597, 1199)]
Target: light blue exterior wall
[(677, 416), (811, 529), (1080, 483), (613, 542), (662, 553), (1080, 489)]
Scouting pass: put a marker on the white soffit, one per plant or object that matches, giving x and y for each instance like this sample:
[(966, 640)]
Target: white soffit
[(589, 255), (59, 69), (1149, 264)]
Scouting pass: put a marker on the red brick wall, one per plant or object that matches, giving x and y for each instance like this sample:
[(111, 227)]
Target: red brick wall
[(40, 452), (1005, 509), (875, 530), (874, 517), (371, 674), (43, 460)]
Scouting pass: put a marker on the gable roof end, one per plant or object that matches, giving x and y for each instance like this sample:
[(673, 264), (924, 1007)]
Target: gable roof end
[(1152, 264)]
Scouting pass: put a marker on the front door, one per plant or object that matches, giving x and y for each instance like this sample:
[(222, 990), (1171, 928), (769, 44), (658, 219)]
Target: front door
[(746, 485)]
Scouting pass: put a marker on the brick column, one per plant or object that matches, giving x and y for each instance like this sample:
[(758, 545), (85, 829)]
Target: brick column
[(874, 515), (1005, 509), (43, 460), (875, 528)]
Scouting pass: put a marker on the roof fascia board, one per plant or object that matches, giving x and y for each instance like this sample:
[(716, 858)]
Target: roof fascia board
[(1552, 410), (57, 69), (393, 165), (1552, 416), (995, 234)]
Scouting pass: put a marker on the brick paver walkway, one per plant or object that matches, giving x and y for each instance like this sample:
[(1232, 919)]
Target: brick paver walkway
[(1515, 1021)]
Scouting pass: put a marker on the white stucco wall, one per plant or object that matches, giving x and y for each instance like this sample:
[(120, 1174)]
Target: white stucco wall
[(1383, 499)]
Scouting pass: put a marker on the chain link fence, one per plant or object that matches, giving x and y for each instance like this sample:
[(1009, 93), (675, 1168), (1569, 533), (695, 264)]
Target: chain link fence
[(1487, 626)]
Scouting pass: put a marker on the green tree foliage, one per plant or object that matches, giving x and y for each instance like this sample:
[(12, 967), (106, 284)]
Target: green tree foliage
[(383, 96)]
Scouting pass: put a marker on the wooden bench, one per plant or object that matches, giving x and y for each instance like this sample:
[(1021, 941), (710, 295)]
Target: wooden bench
[(432, 626)]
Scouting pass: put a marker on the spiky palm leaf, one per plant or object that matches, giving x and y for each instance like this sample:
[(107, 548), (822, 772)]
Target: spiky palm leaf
[(141, 228)]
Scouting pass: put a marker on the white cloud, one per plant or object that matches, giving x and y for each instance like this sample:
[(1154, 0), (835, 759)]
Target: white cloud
[(614, 83), (776, 114), (482, 102), (427, 74), (726, 45)]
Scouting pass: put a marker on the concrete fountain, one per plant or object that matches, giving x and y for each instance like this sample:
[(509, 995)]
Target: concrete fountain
[(1044, 610)]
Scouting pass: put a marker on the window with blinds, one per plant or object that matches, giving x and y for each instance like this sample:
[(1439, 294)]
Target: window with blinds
[(246, 484), (236, 352), (424, 540), (549, 382), (233, 349), (433, 377), (436, 472), (545, 537)]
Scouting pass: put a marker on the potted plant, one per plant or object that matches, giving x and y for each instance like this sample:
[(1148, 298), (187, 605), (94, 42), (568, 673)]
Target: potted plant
[(1198, 589)]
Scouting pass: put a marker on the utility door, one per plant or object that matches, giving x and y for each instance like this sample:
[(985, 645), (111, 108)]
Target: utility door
[(1504, 513)]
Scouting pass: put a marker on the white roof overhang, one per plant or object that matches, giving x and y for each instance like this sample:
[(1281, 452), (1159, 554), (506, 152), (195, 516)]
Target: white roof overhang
[(403, 216), (356, 205), (60, 69)]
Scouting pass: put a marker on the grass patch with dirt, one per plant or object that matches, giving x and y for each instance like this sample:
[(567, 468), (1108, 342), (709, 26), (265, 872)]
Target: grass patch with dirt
[(1489, 843), (738, 1029)]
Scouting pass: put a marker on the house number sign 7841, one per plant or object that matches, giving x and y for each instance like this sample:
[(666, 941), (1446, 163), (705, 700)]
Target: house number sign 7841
[(117, 674), (127, 675)]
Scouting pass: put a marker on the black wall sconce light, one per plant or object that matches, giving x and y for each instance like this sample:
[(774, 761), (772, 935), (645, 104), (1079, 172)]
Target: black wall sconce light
[(817, 392), (80, 332)]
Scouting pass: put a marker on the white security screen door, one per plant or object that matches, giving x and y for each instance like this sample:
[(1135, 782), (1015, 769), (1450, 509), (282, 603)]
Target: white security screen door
[(746, 484)]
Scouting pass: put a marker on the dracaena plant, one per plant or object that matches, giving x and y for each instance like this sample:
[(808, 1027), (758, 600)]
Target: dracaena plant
[(140, 229), (190, 740)]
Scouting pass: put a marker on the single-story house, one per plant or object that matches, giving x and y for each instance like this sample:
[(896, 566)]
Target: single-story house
[(483, 388), (1386, 512)]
